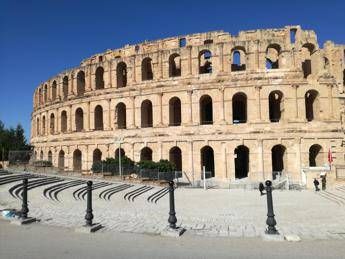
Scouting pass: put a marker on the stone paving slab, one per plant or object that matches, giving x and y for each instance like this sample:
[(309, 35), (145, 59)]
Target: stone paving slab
[(215, 212)]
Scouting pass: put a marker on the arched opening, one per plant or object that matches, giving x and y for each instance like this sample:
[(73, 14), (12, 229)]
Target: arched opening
[(146, 69), (239, 108), (326, 63), (41, 155), (278, 157), (98, 116), (35, 155), (207, 159), (206, 110), (77, 160), (175, 157), (38, 127), (121, 74), (122, 153), (120, 115), (45, 92), (275, 106), (307, 52), (174, 112), (40, 97), (146, 154), (146, 114), (52, 124), (315, 155), (80, 83), (65, 87), (79, 120), (238, 59), (241, 162), (174, 65), (273, 52), (99, 78), (43, 125), (63, 121), (205, 62), (311, 105), (61, 160), (54, 91), (344, 77), (97, 156), (50, 156)]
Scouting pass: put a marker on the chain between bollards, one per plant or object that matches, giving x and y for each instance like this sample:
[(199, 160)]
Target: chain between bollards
[(172, 214), (25, 209), (89, 215), (271, 222)]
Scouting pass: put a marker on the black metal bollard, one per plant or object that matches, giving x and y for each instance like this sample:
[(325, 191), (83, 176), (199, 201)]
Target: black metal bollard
[(172, 218), (271, 222), (25, 209), (89, 215)]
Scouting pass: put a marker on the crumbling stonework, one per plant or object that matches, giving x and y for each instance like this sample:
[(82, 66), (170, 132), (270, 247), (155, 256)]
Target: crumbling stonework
[(243, 106)]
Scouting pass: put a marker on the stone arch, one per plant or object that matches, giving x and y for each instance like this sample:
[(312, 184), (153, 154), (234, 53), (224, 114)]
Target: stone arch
[(205, 62), (45, 94), (276, 105), (175, 157), (54, 89), (96, 156), (99, 74), (238, 59), (63, 121), (174, 111), (312, 105), (77, 160), (120, 115), (50, 156), (273, 53), (207, 159), (38, 127), (98, 117), (52, 124), (146, 154), (307, 51), (41, 155), (241, 162), (206, 110), (79, 119), (146, 114), (146, 69), (80, 83), (278, 158), (61, 160), (239, 108), (174, 65), (123, 153), (121, 75), (43, 125), (65, 87), (40, 97), (315, 155)]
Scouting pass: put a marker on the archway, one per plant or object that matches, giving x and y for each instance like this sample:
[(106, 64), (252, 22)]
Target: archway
[(174, 112), (99, 78), (174, 65), (63, 121), (80, 83), (239, 108), (54, 91), (97, 156), (241, 162), (146, 114), (207, 159), (206, 110), (278, 157), (205, 62), (77, 160), (79, 120), (238, 59), (65, 87), (146, 69), (175, 157), (122, 152), (61, 160), (121, 75), (120, 115), (52, 124), (315, 156), (98, 116), (50, 156), (275, 106), (311, 105), (146, 154)]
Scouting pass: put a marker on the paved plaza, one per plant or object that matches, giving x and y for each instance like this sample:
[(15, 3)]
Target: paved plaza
[(138, 208)]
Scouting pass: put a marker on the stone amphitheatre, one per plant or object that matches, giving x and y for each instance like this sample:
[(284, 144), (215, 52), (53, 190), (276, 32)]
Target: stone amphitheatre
[(249, 106)]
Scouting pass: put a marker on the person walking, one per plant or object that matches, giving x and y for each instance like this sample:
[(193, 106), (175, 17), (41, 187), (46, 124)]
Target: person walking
[(316, 185), (261, 188), (323, 182)]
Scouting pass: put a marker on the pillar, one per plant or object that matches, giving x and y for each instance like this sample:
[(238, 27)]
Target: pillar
[(133, 112), (109, 115), (110, 82), (160, 112), (258, 103), (190, 98), (70, 119), (222, 108), (87, 117), (189, 60), (296, 101)]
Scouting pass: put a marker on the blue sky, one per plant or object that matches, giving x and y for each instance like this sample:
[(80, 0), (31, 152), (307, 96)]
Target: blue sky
[(39, 39)]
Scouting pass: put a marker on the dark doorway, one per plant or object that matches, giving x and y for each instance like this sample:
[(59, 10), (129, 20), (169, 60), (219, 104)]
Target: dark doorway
[(146, 114), (207, 159), (120, 115), (77, 160), (174, 112), (146, 154), (241, 162), (98, 118), (278, 156), (121, 75), (239, 108), (315, 155), (311, 104), (175, 157), (61, 160), (275, 106), (206, 110), (79, 120)]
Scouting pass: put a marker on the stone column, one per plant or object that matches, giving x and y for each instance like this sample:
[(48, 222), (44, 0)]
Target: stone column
[(330, 101), (133, 112), (110, 82), (189, 60), (71, 85), (134, 70), (87, 117), (296, 101), (190, 97), (160, 112), (70, 128), (90, 85), (258, 103), (222, 108), (109, 115), (221, 57), (56, 128), (160, 56)]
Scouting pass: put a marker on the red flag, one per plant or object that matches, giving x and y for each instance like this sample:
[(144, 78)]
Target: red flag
[(330, 157)]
